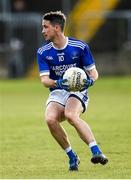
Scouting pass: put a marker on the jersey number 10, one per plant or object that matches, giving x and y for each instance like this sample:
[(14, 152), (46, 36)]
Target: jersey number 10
[(61, 58)]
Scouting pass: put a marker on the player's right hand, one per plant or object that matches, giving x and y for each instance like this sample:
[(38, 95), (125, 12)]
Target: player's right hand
[(62, 84)]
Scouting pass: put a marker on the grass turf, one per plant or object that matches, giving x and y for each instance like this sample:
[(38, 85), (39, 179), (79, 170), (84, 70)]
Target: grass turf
[(27, 150)]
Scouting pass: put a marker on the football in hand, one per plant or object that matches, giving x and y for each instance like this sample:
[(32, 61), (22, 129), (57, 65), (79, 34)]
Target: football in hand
[(75, 77)]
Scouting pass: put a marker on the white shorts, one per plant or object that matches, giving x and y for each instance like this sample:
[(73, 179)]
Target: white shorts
[(61, 96)]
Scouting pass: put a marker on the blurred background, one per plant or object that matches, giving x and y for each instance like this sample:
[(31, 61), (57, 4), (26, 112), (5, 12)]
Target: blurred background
[(26, 148), (104, 24)]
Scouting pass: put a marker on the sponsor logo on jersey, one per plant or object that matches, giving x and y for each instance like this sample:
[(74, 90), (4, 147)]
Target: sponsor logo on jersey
[(59, 70)]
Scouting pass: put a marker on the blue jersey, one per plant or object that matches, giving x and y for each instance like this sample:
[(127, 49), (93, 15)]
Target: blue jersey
[(54, 62)]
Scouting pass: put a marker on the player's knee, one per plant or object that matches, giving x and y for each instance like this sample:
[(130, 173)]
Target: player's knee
[(71, 117), (51, 120)]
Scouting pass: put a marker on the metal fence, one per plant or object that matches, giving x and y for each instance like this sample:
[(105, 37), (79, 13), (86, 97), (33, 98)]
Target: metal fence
[(21, 36), (112, 43), (19, 40)]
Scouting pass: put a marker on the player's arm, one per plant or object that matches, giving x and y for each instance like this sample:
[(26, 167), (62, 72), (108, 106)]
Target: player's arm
[(89, 67), (60, 83), (45, 72), (92, 77), (93, 74), (47, 82)]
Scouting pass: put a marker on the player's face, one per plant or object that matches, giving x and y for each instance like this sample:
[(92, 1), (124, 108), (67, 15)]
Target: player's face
[(48, 30)]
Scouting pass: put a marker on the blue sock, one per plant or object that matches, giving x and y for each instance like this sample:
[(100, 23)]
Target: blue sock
[(94, 148), (70, 153)]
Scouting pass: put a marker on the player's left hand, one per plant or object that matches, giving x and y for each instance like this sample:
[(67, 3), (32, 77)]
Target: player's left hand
[(62, 84), (87, 83)]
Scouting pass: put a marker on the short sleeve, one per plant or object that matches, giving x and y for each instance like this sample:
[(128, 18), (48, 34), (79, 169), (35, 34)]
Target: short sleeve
[(42, 64), (87, 59)]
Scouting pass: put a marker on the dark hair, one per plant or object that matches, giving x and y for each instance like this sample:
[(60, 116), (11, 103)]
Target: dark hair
[(56, 17)]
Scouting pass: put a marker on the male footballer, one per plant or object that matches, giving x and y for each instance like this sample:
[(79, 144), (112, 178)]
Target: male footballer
[(57, 55)]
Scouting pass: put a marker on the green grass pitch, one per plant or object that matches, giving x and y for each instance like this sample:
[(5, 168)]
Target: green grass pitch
[(27, 150)]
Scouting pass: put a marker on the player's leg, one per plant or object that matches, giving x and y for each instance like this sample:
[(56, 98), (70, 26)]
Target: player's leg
[(54, 114), (73, 109)]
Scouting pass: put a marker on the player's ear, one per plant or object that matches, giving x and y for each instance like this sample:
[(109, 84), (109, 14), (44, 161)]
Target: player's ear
[(57, 27)]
